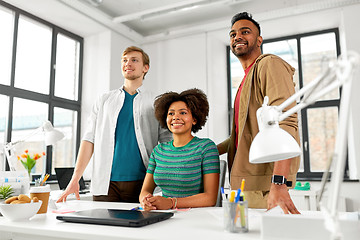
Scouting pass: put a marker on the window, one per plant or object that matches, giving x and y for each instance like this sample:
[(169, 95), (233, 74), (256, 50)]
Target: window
[(40, 79), (309, 54)]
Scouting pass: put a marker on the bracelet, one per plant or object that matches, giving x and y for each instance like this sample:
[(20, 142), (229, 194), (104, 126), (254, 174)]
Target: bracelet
[(172, 203), (175, 203)]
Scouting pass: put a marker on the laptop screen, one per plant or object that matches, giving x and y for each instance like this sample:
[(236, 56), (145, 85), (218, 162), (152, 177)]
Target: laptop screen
[(64, 175)]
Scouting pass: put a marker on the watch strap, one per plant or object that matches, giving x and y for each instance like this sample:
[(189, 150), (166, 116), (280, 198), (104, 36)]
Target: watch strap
[(289, 183)]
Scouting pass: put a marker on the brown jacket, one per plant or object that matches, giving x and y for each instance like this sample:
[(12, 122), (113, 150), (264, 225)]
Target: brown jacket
[(269, 76)]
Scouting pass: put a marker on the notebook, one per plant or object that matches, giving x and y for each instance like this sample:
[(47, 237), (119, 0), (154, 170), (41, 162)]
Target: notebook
[(115, 217), (64, 175)]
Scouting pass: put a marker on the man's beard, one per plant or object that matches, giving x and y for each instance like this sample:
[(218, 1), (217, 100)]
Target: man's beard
[(132, 77), (243, 52)]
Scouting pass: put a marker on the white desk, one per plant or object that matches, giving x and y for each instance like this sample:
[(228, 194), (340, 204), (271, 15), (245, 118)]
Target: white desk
[(197, 223)]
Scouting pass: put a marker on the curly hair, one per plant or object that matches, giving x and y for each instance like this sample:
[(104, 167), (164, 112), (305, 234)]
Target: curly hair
[(195, 100)]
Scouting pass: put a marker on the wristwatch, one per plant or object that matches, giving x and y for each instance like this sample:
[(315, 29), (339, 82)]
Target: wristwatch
[(279, 180)]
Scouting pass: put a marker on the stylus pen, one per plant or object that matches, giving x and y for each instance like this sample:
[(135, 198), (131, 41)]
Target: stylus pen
[(137, 209)]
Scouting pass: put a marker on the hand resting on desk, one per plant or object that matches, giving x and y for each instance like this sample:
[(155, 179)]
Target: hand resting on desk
[(73, 187), (151, 202), (279, 196)]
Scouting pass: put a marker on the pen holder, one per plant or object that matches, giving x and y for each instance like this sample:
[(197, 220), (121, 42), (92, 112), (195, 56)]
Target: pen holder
[(235, 216)]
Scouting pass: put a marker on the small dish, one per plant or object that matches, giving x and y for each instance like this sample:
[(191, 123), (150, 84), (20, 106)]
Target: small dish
[(19, 212)]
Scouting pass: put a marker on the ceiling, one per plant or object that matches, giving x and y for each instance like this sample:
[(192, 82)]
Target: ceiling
[(153, 20)]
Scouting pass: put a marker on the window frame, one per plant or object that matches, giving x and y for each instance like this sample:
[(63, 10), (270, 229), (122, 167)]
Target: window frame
[(53, 101), (307, 174)]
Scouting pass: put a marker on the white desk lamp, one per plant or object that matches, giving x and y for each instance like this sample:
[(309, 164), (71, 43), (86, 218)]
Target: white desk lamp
[(51, 137), (264, 149)]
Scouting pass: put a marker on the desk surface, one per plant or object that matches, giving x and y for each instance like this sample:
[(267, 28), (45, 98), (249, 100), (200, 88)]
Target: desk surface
[(197, 223)]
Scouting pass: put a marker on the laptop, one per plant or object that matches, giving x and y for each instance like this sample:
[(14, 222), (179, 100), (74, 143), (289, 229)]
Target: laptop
[(64, 175), (115, 217)]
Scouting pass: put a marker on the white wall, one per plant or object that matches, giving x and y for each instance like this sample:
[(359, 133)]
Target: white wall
[(186, 68), (179, 64)]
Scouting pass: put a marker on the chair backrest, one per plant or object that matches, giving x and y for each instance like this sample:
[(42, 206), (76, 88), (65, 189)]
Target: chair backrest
[(223, 167)]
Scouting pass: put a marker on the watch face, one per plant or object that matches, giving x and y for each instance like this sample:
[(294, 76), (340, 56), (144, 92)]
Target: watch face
[(278, 179)]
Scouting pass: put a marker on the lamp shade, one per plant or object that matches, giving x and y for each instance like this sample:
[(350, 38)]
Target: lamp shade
[(51, 135), (273, 144)]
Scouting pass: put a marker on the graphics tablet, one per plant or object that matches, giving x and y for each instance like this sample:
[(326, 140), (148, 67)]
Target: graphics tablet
[(116, 217)]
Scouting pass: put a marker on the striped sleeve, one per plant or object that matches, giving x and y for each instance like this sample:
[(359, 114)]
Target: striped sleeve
[(211, 162)]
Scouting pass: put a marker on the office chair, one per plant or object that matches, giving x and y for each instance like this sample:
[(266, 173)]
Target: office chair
[(223, 167)]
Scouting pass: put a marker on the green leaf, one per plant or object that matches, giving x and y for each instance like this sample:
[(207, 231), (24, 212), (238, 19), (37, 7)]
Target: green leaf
[(24, 164), (6, 191)]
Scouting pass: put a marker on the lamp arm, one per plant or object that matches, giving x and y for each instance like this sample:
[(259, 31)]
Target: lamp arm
[(303, 91), (9, 148), (310, 99), (10, 156), (45, 127), (336, 75), (36, 131), (51, 136)]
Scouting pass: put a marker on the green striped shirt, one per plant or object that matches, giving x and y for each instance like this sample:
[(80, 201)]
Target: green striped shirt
[(178, 171)]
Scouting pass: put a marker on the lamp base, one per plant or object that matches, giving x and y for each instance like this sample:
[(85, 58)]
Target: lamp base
[(309, 225)]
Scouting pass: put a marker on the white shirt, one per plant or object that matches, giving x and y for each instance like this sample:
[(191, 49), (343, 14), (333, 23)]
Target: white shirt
[(101, 131)]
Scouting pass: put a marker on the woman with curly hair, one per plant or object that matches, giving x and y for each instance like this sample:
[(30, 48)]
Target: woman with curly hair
[(186, 168)]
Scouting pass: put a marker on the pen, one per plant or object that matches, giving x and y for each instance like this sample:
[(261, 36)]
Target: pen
[(137, 209), (242, 213), (44, 180), (242, 184), (223, 193), (238, 195), (237, 205), (242, 190), (232, 196)]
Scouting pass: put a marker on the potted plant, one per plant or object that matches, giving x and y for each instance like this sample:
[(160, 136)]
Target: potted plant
[(5, 192), (29, 161)]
